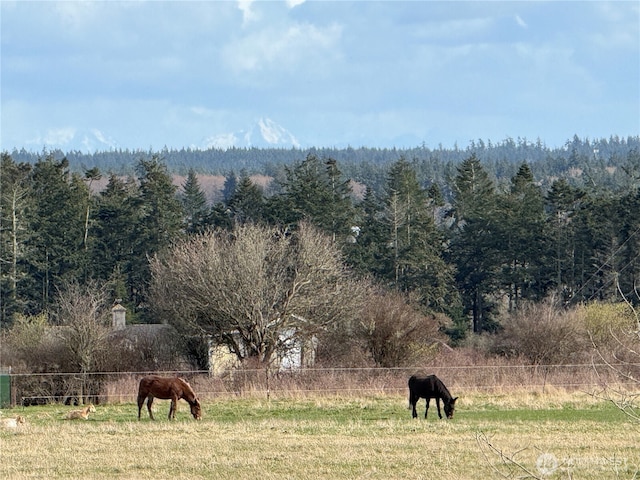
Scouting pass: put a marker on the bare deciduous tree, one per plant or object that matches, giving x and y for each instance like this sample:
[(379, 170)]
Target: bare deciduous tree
[(544, 333), (250, 288), (395, 332), (82, 312)]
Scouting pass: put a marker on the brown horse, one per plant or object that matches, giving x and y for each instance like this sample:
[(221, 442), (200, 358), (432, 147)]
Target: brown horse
[(167, 388)]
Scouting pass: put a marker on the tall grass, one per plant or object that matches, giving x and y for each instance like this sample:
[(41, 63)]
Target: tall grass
[(463, 370), (498, 375)]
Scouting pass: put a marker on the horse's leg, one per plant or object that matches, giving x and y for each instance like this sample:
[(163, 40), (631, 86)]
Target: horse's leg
[(412, 401), (438, 405), (426, 410), (140, 403), (172, 409), (149, 402)]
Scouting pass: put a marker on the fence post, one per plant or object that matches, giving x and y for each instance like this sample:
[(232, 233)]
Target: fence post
[(5, 387), (266, 371)]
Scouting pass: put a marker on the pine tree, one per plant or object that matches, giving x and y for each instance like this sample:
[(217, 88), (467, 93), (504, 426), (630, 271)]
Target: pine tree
[(524, 241), (318, 195), (57, 222), (15, 199), (247, 202), (475, 245), (596, 247), (366, 251), (115, 221), (414, 260), (341, 213), (562, 203), (194, 203), (230, 183), (628, 258), (159, 224), (220, 217)]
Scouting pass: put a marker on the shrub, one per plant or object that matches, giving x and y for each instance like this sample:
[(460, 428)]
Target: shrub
[(396, 334), (543, 333), (607, 322)]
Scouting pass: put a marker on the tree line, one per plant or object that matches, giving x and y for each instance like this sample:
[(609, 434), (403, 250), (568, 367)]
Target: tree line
[(582, 161), (463, 253)]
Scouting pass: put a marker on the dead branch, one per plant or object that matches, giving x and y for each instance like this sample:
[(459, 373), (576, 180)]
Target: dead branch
[(507, 460)]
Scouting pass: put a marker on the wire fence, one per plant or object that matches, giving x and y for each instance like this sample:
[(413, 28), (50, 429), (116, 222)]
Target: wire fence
[(121, 387)]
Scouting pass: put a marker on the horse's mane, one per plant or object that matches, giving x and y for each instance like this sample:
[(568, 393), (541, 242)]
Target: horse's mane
[(189, 393), (444, 391)]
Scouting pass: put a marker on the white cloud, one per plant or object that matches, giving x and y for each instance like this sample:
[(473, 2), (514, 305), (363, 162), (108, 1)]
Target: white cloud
[(283, 49), (294, 3), (248, 14), (153, 73), (59, 136), (201, 111), (102, 138), (76, 14), (619, 27)]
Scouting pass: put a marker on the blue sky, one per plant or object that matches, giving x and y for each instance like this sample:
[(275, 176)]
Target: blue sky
[(138, 75)]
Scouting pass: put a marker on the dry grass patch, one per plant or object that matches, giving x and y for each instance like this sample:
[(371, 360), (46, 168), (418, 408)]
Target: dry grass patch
[(330, 438), (514, 398)]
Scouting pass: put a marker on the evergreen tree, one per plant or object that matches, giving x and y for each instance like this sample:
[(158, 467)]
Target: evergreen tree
[(366, 252), (563, 202), (341, 213), (631, 169), (159, 224), (475, 244), (229, 188), (318, 195), (414, 257), (307, 191), (15, 198), (435, 195), (596, 248), (57, 222), (194, 203), (220, 217), (115, 221), (247, 202), (628, 258), (524, 243)]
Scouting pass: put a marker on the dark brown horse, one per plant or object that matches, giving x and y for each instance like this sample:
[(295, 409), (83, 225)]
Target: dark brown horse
[(167, 388), (430, 387)]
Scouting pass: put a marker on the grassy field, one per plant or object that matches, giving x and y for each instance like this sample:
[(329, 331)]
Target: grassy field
[(507, 435)]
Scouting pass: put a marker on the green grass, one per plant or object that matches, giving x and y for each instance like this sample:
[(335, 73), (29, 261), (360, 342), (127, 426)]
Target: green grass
[(332, 438)]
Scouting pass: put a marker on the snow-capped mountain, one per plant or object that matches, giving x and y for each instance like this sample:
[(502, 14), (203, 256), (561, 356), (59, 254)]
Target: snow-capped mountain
[(69, 139), (263, 133), (94, 140)]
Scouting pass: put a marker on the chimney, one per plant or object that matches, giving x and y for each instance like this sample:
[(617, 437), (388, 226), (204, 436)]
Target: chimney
[(118, 314)]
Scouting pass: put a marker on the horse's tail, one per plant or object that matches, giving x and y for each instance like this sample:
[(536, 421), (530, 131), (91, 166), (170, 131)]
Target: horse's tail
[(409, 404)]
